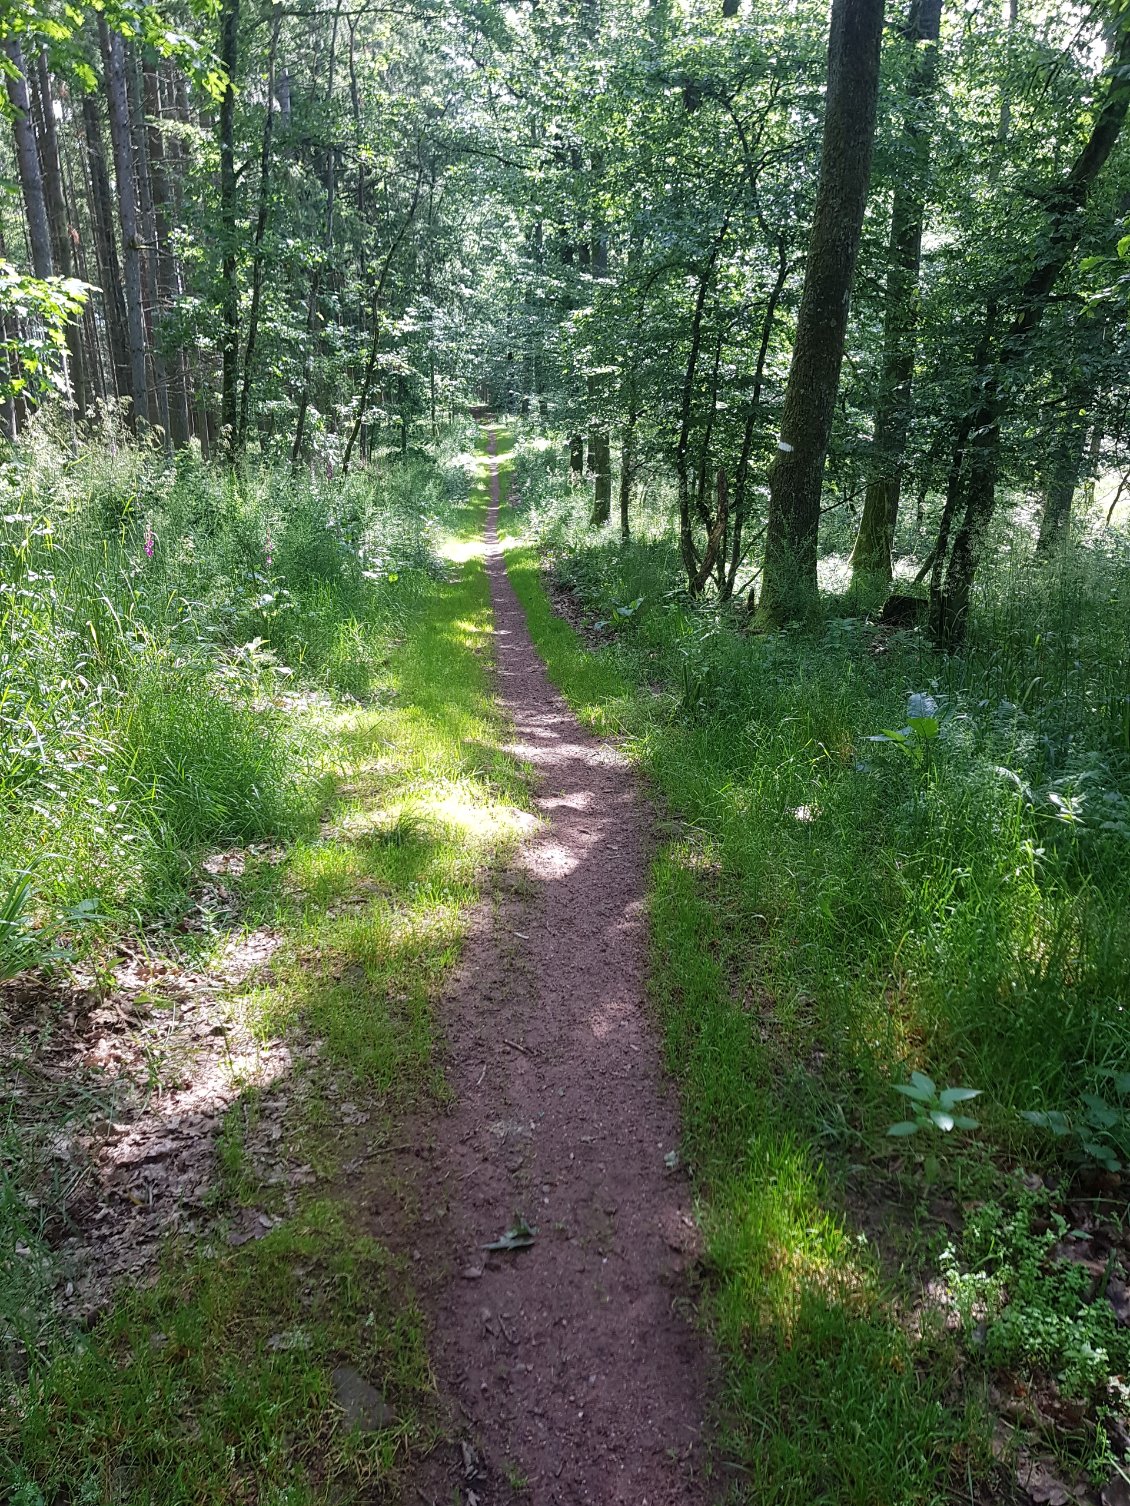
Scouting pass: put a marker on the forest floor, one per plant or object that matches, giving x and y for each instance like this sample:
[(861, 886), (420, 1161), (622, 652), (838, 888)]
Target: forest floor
[(569, 1355)]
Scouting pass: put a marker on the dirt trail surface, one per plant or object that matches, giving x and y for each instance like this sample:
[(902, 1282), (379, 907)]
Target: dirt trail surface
[(571, 1361)]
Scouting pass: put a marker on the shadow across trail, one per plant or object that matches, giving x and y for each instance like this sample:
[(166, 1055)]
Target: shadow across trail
[(576, 1373)]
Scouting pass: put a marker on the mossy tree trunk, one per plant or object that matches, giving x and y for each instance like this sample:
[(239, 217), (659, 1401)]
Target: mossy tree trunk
[(796, 477)]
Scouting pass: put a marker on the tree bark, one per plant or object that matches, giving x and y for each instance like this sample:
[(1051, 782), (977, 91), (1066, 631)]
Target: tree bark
[(871, 557), (62, 247), (795, 480), (1062, 476), (113, 51), (168, 282), (257, 254), (229, 288), (148, 222), (27, 160), (105, 246)]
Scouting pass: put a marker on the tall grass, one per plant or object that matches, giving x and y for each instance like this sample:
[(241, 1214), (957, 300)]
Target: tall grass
[(160, 629), (971, 914), (830, 912)]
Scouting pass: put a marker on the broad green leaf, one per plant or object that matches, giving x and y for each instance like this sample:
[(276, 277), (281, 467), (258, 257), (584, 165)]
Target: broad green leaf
[(919, 1095), (904, 1127), (943, 1120), (950, 1096)]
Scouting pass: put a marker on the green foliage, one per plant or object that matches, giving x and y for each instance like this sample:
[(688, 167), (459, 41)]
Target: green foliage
[(1096, 1130), (34, 315), (933, 1108), (1038, 1309), (164, 632), (17, 946), (822, 924)]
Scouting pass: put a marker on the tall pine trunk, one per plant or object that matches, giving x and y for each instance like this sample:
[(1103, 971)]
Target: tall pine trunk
[(27, 160), (58, 220), (148, 222), (168, 287), (105, 246), (258, 256), (121, 139), (796, 477)]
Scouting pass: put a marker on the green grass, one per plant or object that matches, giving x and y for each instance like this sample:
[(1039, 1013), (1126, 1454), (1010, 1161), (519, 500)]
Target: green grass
[(216, 1385), (828, 915)]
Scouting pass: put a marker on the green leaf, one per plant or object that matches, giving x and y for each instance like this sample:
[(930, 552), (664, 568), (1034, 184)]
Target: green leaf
[(926, 727), (1124, 246), (950, 1096), (919, 1095), (1049, 1119), (943, 1120), (920, 1080), (964, 1122), (903, 1127)]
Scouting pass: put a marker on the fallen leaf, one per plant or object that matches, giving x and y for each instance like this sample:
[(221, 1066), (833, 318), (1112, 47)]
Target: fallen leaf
[(520, 1236)]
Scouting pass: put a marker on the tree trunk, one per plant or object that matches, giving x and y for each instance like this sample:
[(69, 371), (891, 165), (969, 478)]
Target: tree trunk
[(796, 477), (374, 345), (27, 160), (257, 254), (1062, 476), (58, 220), (229, 289), (976, 488), (113, 51), (148, 222), (105, 246), (168, 285), (871, 557)]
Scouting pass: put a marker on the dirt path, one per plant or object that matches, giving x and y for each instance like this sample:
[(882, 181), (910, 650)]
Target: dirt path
[(570, 1361)]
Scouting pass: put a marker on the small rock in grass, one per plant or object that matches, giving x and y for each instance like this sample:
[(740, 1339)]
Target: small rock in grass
[(363, 1405)]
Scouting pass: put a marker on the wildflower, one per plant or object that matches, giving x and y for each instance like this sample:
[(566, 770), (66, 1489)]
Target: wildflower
[(270, 552), (150, 541)]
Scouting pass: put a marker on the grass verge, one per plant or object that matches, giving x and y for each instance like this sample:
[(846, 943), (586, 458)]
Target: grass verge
[(839, 1384), (217, 1383)]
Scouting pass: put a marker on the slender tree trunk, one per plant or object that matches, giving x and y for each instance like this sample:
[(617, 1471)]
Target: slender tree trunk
[(258, 247), (113, 50), (741, 479), (1062, 475), (148, 222), (796, 477), (871, 557), (60, 225), (976, 501), (27, 160), (167, 280), (229, 288), (102, 219), (374, 345)]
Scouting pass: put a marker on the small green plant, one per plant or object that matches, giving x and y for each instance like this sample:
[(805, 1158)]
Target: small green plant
[(1036, 1308), (933, 1108), (916, 739), (1097, 1131), (17, 945)]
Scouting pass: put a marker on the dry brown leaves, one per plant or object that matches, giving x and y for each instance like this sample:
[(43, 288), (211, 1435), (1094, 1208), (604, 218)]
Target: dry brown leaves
[(117, 1089)]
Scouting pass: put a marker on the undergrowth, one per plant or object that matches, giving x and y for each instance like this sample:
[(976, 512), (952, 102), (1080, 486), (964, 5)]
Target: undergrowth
[(218, 1383), (841, 902), (163, 630)]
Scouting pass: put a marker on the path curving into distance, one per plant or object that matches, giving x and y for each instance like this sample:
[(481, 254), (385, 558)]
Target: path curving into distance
[(570, 1369)]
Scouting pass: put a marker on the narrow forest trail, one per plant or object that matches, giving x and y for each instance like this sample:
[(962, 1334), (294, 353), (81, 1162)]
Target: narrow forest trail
[(570, 1367)]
